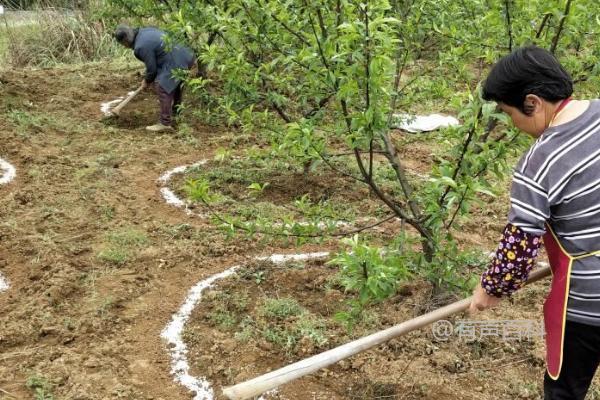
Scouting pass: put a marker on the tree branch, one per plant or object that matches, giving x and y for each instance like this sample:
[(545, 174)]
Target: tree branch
[(461, 157), (314, 30), (392, 157), (399, 71), (298, 35), (275, 46), (371, 159), (339, 171), (368, 87), (324, 34), (322, 103), (545, 20), (561, 25), (508, 24), (492, 123), (281, 113), (464, 194), (487, 46)]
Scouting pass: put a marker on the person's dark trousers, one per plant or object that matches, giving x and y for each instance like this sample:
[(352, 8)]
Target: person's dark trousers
[(177, 97), (581, 356), (169, 103)]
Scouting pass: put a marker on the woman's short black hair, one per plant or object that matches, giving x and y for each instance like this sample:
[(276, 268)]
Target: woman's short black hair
[(125, 35), (527, 70)]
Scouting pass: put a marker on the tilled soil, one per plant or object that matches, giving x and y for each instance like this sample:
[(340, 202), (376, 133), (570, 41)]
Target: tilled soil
[(86, 326), (98, 263), (245, 327)]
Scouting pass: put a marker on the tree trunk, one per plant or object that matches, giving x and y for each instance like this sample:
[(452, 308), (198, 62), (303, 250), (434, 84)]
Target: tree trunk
[(428, 249)]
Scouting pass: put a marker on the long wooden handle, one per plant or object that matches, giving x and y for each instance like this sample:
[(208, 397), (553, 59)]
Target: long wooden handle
[(284, 375), (122, 104)]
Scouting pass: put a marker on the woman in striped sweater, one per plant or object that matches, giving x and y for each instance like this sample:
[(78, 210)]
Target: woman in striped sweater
[(555, 198)]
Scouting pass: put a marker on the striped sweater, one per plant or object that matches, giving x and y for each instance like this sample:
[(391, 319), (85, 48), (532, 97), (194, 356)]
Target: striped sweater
[(558, 182)]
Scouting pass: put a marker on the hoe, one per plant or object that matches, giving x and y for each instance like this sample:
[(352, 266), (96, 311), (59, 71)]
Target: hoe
[(115, 111)]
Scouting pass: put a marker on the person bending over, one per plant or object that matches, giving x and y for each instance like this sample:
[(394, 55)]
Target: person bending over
[(160, 60)]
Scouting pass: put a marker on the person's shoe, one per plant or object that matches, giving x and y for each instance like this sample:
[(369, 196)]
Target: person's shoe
[(159, 128)]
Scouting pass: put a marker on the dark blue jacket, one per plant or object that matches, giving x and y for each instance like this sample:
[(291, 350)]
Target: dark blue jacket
[(149, 48)]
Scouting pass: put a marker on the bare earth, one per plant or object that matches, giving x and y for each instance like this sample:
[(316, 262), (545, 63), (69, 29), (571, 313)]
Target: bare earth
[(98, 263)]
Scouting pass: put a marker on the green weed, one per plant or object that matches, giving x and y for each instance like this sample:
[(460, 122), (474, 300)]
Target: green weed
[(29, 123), (122, 245), (312, 328), (106, 304), (128, 237), (115, 256), (280, 337), (107, 212), (26, 122), (223, 319), (259, 277), (227, 308), (284, 322), (306, 326), (240, 189), (280, 308), (41, 387), (185, 133), (247, 328)]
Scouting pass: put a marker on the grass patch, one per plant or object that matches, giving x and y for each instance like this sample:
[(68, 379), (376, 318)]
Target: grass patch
[(246, 330), (30, 123), (107, 212), (122, 245), (306, 330), (115, 256), (27, 122), (106, 304), (98, 172), (280, 308), (284, 323), (226, 308), (128, 238), (223, 319), (268, 193)]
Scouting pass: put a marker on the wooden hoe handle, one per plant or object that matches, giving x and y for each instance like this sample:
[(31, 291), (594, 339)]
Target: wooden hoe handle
[(122, 104), (284, 375)]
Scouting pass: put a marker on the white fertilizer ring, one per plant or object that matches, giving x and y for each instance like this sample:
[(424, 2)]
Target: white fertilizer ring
[(3, 284), (7, 173), (172, 333), (171, 198)]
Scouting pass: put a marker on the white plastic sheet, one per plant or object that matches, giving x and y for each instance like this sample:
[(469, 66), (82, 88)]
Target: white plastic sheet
[(422, 123)]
